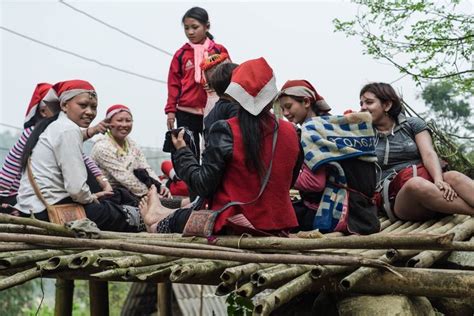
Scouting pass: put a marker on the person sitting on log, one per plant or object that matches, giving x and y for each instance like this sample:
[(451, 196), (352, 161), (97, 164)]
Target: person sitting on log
[(337, 179), (54, 152), (120, 158), (10, 173), (239, 155), (412, 184)]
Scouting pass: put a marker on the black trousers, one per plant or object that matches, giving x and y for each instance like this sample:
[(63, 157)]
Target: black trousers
[(106, 214), (194, 123)]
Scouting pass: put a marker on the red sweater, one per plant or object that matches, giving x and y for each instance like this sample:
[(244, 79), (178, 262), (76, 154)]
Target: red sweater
[(183, 90), (273, 210)]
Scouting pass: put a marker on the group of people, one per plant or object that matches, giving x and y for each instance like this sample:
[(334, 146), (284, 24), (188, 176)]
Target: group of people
[(347, 168)]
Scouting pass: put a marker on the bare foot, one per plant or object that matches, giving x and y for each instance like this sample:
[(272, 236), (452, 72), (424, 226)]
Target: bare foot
[(151, 209)]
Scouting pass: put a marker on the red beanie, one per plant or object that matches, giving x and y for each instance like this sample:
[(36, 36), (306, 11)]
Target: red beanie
[(37, 100), (302, 88), (115, 109), (66, 90), (167, 169)]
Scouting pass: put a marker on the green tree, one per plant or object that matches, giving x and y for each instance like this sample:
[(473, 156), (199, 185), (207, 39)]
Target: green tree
[(451, 112), (427, 40)]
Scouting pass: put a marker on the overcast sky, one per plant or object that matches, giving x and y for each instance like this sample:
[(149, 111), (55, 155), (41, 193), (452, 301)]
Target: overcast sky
[(296, 38)]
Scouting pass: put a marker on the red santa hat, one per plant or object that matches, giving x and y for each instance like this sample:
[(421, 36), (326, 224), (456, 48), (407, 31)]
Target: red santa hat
[(302, 88), (253, 85), (37, 100), (66, 90), (115, 109), (167, 169)]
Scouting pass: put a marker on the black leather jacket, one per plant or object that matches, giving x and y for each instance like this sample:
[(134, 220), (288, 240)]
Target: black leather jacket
[(205, 179)]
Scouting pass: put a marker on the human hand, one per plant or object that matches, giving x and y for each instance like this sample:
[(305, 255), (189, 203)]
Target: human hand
[(170, 120), (178, 141), (101, 194), (165, 192), (102, 127), (448, 192)]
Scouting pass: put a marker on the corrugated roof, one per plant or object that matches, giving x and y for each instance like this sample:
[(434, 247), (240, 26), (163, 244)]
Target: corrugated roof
[(188, 297)]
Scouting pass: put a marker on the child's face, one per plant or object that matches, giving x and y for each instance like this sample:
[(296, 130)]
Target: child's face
[(81, 109), (294, 111), (195, 31)]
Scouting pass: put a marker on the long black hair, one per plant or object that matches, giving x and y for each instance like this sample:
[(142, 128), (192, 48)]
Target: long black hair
[(201, 16), (385, 93), (253, 129), (33, 139)]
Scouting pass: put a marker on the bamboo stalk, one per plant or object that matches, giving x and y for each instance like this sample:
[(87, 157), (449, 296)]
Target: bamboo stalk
[(202, 254), (57, 262), (283, 294), (267, 278), (224, 288), (57, 229), (248, 290), (89, 258), (19, 278), (99, 298), (134, 260), (63, 297), (415, 282), (242, 272), (155, 275), (254, 277), (31, 256), (183, 272), (427, 258)]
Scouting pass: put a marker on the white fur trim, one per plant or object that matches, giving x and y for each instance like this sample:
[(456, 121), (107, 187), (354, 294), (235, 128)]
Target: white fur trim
[(253, 105)]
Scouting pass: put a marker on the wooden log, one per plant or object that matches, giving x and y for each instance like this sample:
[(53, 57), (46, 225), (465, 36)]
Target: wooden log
[(63, 297), (427, 258), (224, 288), (242, 272), (89, 258), (203, 254), (99, 298)]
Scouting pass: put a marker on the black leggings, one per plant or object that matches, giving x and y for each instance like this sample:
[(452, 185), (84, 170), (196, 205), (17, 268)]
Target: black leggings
[(194, 123)]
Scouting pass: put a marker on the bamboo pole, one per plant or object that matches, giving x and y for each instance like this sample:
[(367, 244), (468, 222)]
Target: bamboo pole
[(427, 258), (202, 254), (19, 278), (133, 260), (183, 272), (164, 299), (89, 258), (277, 276), (242, 272), (415, 282), (63, 297), (248, 290), (224, 288), (99, 298), (50, 227), (32, 256), (283, 294), (254, 277)]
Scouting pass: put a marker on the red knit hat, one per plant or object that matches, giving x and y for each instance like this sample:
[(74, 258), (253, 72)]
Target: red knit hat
[(66, 90), (253, 85), (37, 100), (302, 88), (115, 109)]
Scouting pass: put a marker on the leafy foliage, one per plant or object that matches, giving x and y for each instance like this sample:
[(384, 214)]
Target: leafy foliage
[(15, 300), (238, 305), (427, 40)]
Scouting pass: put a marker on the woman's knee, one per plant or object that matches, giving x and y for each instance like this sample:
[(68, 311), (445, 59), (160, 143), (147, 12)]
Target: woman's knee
[(417, 186), (454, 178)]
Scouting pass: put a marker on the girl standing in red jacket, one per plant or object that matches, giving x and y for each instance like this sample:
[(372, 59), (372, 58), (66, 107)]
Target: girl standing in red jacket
[(186, 95)]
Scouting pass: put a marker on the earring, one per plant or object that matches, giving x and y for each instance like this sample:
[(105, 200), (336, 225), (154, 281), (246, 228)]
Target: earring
[(386, 113)]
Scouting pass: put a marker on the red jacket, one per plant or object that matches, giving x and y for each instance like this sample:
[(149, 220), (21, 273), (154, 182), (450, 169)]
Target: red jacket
[(183, 90), (273, 210)]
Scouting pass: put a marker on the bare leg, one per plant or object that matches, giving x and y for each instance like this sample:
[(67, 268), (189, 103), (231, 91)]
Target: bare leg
[(419, 199), (462, 185), (151, 209)]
